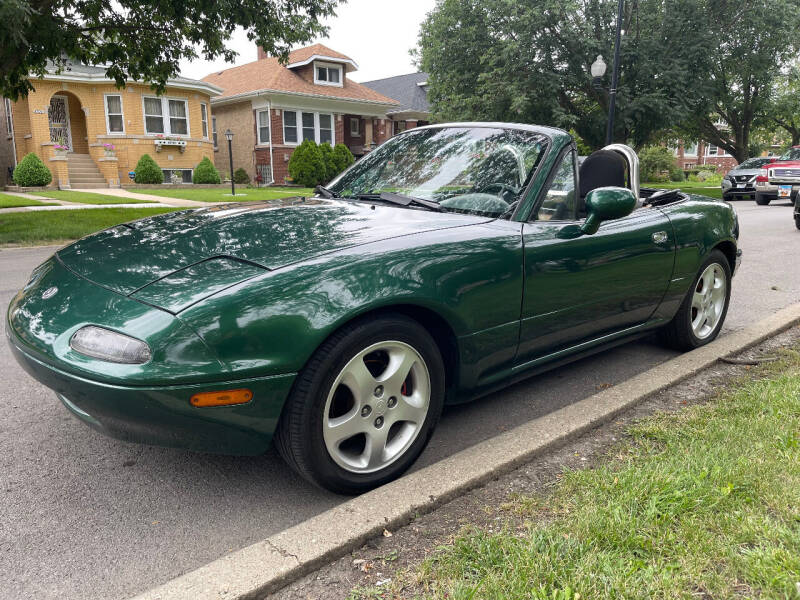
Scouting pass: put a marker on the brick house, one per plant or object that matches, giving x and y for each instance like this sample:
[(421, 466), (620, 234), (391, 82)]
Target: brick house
[(82, 109), (411, 91), (691, 155), (271, 108)]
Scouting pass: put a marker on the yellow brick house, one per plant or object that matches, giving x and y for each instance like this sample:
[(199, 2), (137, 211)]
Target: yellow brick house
[(73, 118)]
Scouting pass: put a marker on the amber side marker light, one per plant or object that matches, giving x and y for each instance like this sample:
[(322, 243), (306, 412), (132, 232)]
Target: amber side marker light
[(223, 398)]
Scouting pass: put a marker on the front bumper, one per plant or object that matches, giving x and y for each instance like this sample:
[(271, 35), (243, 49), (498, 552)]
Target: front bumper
[(162, 415)]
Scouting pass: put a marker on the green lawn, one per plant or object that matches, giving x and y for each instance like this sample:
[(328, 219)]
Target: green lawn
[(89, 198), (31, 228), (690, 187), (702, 503), (7, 201), (243, 194)]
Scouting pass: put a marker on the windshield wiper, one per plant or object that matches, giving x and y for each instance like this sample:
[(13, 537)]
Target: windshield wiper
[(326, 193), (401, 200)]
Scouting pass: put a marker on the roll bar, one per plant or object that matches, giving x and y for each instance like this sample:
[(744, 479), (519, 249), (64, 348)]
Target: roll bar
[(632, 159)]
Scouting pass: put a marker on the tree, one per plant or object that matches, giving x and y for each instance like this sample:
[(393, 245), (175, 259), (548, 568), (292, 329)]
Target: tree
[(143, 39), (306, 165), (148, 171), (529, 62), (743, 70), (204, 172), (31, 171), (784, 109)]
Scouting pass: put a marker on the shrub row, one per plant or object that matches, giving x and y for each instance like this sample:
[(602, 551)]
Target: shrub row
[(311, 164)]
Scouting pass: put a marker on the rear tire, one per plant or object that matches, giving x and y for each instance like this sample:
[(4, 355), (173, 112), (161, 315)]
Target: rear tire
[(703, 310), (797, 221), (364, 407), (762, 200)]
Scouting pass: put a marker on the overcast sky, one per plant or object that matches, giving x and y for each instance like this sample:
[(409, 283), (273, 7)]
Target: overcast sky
[(377, 34)]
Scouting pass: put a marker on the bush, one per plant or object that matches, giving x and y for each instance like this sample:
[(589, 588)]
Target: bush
[(306, 165), (241, 176), (655, 162), (205, 172), (147, 171), (342, 157), (329, 158), (31, 171), (676, 174)]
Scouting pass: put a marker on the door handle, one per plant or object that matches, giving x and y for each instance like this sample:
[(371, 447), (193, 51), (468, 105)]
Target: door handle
[(659, 237)]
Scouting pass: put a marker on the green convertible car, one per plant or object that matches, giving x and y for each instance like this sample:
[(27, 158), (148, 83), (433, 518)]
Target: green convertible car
[(451, 261)]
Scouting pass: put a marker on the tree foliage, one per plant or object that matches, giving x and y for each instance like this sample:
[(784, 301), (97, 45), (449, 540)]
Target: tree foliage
[(684, 63), (655, 163), (343, 157), (143, 39), (784, 109), (328, 157), (148, 171), (241, 176), (306, 165), (31, 171), (205, 172)]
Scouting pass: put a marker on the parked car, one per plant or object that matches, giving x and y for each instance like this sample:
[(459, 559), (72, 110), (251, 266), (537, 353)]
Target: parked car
[(797, 212), (741, 180), (451, 261), (780, 178)]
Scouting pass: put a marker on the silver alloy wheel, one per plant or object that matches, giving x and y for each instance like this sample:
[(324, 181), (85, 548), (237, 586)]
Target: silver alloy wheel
[(708, 300), (373, 414)]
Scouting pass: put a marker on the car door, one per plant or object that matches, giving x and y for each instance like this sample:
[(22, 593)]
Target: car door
[(579, 287)]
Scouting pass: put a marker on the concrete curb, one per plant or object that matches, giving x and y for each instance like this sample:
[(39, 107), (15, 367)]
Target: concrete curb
[(266, 566)]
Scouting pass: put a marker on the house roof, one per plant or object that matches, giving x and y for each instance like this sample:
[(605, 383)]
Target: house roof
[(303, 56), (74, 71), (406, 89), (268, 75)]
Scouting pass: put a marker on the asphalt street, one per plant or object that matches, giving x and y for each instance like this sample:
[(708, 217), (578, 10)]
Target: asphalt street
[(85, 516)]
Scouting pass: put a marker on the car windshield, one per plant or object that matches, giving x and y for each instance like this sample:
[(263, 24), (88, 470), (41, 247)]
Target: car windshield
[(754, 163), (791, 154), (479, 170)]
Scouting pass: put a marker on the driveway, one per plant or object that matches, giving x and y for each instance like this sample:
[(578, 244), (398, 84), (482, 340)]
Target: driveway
[(84, 516)]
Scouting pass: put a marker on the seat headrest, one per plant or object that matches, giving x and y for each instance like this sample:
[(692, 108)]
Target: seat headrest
[(602, 168)]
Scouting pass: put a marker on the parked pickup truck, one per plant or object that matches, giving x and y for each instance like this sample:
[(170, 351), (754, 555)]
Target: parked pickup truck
[(779, 179)]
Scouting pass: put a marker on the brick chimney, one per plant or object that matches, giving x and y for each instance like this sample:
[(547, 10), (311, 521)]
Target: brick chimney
[(261, 53)]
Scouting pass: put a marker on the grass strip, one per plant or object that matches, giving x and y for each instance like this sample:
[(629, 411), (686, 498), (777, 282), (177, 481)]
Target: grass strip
[(243, 194), (32, 228), (702, 503), (89, 198), (8, 201)]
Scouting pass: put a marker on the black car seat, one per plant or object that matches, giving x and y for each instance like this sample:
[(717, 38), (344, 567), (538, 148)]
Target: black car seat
[(601, 168)]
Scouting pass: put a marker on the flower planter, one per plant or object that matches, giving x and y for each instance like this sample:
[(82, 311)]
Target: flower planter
[(180, 144)]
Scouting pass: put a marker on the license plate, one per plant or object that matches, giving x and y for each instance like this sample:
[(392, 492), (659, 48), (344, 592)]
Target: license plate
[(784, 191), (741, 185)]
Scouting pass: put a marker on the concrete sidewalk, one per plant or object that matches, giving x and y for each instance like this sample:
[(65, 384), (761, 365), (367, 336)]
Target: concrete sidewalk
[(122, 193)]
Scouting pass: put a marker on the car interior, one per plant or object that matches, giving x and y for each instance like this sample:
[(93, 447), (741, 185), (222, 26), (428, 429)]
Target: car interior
[(601, 168)]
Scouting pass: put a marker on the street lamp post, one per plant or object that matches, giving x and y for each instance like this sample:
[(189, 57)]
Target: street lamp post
[(229, 136), (612, 93)]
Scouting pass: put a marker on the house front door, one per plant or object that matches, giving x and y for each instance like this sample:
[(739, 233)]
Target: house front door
[(58, 117)]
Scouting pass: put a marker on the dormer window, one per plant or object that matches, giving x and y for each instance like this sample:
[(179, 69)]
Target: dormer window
[(327, 74)]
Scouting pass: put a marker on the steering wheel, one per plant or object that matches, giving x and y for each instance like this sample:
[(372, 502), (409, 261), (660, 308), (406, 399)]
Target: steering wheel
[(503, 189)]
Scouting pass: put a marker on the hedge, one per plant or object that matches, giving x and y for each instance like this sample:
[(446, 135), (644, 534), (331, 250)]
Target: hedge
[(205, 172), (329, 158), (147, 171), (343, 157), (306, 165), (241, 176), (31, 171)]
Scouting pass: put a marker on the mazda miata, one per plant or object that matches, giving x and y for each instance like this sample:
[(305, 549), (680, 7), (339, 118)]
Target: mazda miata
[(448, 262)]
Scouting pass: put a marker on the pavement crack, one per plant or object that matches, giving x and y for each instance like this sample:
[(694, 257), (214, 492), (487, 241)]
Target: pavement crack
[(282, 552)]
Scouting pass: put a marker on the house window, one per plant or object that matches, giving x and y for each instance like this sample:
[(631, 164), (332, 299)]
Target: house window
[(204, 119), (114, 120), (355, 127), (399, 126), (315, 126), (166, 115), (263, 126), (308, 127), (9, 121), (289, 127), (326, 129), (177, 175), (328, 74), (712, 150), (690, 148), (214, 130)]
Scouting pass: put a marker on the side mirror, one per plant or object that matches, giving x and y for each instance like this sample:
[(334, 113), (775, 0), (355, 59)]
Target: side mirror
[(605, 204)]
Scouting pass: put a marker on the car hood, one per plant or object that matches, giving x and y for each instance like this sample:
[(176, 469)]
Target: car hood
[(746, 172), (262, 235), (783, 164)]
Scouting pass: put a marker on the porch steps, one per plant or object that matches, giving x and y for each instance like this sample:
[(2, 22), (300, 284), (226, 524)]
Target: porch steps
[(83, 172)]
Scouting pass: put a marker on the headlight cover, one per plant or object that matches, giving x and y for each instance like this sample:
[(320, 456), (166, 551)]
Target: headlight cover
[(111, 346)]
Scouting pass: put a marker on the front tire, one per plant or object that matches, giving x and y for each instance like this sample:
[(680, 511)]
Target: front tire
[(762, 200), (797, 221), (364, 407), (703, 310)]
